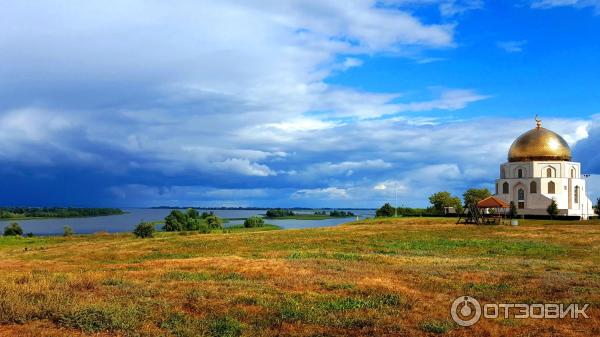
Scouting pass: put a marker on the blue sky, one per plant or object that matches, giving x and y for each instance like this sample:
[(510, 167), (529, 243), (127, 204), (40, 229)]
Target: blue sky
[(285, 103)]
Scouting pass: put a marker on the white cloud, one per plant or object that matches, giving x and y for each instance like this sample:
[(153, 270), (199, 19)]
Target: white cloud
[(512, 46), (454, 7), (321, 194), (351, 62), (446, 7), (450, 99), (244, 167), (545, 4)]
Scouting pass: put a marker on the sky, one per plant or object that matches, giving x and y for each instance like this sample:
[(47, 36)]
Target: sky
[(276, 103)]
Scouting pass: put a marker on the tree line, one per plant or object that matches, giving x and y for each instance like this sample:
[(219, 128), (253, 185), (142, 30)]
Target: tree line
[(279, 213), (440, 201), (55, 212), (335, 213)]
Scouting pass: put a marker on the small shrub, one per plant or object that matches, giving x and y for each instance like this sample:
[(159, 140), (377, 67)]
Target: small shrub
[(225, 327), (13, 230), (144, 230), (182, 325), (68, 231), (97, 319), (254, 222), (435, 326), (214, 222), (29, 235), (114, 282)]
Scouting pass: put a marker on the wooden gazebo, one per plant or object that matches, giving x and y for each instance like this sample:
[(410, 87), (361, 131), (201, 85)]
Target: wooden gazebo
[(498, 205), (475, 214)]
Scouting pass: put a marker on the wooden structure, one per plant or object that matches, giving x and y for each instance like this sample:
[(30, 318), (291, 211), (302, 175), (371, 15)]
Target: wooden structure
[(471, 215), (475, 214)]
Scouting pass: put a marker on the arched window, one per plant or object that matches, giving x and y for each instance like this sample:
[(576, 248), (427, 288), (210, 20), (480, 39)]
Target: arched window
[(572, 173), (533, 187), (551, 188), (520, 173), (496, 188), (549, 172), (521, 198), (576, 194), (505, 188)]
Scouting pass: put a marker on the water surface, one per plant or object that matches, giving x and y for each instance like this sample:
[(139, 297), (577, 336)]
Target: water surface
[(126, 222)]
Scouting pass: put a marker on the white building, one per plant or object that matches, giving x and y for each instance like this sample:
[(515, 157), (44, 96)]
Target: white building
[(540, 169)]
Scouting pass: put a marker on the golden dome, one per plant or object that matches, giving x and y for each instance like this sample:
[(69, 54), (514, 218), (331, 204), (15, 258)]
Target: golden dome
[(539, 144)]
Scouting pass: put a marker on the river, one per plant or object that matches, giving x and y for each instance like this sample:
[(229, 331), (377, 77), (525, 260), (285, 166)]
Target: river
[(126, 222)]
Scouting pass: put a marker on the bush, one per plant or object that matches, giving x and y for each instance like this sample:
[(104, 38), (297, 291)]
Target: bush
[(225, 327), (13, 230), (68, 231), (206, 214), (552, 209), (254, 222), (95, 319), (214, 222), (340, 214), (435, 326), (385, 211), (203, 228), (513, 213), (144, 230), (279, 213), (191, 220), (172, 224)]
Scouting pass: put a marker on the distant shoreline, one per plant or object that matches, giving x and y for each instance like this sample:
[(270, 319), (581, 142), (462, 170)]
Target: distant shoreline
[(264, 208)]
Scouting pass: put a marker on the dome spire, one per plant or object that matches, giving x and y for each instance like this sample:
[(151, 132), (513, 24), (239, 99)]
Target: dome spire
[(538, 121)]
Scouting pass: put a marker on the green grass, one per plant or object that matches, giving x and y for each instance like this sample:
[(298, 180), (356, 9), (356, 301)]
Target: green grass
[(375, 277)]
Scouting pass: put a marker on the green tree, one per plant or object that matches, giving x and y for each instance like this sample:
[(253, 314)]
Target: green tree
[(144, 230), (443, 199), (254, 221), (513, 213), (171, 224), (68, 231), (385, 211), (13, 230), (474, 195), (181, 217), (552, 209), (206, 214), (279, 213), (192, 213), (214, 222), (597, 207)]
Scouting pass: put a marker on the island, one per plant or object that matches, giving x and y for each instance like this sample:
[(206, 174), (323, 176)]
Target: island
[(20, 213), (288, 214)]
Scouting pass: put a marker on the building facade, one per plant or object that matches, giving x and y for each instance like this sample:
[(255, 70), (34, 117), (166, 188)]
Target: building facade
[(539, 170)]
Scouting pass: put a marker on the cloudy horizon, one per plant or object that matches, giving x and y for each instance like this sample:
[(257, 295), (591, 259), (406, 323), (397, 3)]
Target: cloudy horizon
[(285, 103)]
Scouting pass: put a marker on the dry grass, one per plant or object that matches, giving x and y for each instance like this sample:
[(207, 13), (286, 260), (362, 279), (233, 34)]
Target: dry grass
[(380, 277)]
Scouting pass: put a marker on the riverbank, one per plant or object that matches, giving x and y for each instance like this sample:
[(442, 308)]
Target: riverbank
[(383, 277)]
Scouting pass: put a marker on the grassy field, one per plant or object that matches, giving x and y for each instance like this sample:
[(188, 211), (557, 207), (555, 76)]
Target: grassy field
[(392, 277)]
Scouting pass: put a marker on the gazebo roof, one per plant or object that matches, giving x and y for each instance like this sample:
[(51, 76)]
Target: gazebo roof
[(492, 202)]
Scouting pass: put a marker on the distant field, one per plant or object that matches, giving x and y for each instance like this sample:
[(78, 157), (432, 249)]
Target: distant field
[(392, 277)]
